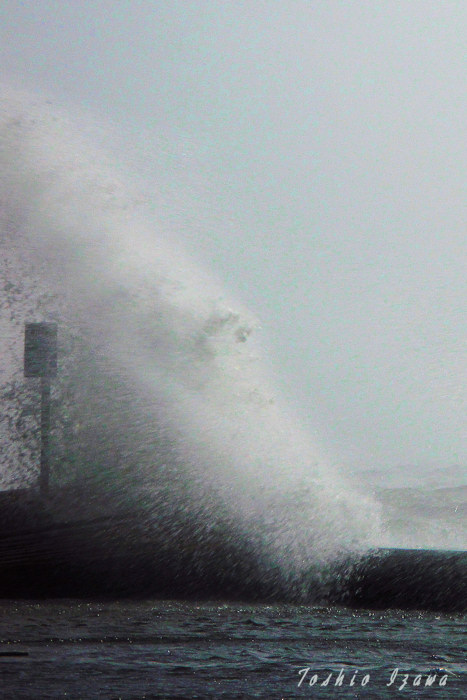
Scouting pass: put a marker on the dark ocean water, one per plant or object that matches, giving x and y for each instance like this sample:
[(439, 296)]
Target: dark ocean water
[(165, 649)]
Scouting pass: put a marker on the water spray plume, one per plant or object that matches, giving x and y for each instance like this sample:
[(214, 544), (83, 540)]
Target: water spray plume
[(162, 397)]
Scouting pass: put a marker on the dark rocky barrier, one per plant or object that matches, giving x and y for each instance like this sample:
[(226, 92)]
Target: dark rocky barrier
[(406, 579), (47, 551)]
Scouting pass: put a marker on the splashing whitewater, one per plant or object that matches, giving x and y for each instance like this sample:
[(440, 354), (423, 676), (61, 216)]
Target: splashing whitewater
[(162, 394)]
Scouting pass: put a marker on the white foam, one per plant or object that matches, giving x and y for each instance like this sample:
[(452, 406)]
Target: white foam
[(178, 363)]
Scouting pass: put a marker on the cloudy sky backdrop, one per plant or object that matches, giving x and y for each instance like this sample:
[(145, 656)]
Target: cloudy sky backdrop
[(313, 155)]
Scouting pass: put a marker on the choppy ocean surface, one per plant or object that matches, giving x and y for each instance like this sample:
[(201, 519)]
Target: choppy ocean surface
[(165, 649)]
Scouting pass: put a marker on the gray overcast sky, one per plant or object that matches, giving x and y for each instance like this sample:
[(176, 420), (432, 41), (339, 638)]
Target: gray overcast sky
[(322, 147)]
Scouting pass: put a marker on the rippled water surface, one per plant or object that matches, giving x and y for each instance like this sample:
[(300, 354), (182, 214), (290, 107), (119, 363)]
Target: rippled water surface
[(160, 649)]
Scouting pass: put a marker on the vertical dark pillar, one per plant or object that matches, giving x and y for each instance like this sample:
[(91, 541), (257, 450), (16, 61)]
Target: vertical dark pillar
[(40, 360), (45, 436)]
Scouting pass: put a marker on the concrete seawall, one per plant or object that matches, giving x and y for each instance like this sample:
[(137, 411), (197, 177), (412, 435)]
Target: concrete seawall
[(58, 548)]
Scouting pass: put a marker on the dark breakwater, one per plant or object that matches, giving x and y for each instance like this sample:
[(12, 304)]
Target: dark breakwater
[(46, 554)]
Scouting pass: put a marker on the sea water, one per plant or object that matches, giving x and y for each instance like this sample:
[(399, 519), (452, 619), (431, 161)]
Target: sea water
[(175, 649), (163, 398)]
